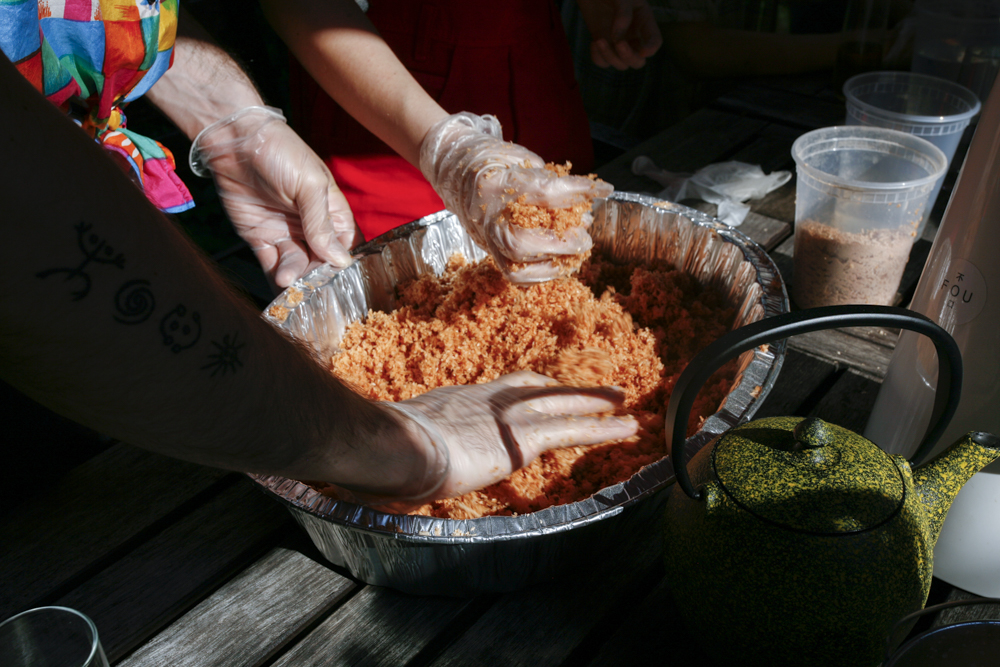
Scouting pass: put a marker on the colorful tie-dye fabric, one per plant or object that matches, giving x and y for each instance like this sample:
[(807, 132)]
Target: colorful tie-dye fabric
[(92, 57)]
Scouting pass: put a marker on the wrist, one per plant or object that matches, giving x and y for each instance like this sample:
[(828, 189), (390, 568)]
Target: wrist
[(434, 462), (203, 85), (385, 453), (222, 135)]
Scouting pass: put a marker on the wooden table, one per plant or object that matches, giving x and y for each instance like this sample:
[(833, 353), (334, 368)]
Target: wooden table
[(185, 565)]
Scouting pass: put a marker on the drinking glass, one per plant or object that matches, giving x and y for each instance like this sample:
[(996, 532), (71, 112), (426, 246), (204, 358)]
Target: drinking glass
[(50, 637)]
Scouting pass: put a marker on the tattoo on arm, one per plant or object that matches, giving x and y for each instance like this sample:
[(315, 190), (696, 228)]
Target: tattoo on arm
[(95, 249), (226, 356), (135, 303), (180, 330)]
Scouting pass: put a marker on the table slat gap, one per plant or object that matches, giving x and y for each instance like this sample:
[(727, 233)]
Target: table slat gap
[(544, 624), (113, 499), (378, 626), (181, 566), (250, 619)]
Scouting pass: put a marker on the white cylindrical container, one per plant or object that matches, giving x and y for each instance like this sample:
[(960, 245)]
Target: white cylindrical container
[(960, 290)]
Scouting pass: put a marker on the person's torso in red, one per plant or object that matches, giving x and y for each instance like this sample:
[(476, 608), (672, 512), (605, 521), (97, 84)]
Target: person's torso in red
[(508, 58)]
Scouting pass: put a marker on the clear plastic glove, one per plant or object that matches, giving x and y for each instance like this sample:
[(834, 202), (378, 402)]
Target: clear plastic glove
[(280, 196), (477, 173), (479, 434), (624, 32)]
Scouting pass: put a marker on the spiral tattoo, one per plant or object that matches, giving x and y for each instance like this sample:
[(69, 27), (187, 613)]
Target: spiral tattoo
[(134, 302)]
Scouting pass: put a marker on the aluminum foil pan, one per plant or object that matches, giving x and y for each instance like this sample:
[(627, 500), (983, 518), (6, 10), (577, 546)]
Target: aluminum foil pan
[(426, 555)]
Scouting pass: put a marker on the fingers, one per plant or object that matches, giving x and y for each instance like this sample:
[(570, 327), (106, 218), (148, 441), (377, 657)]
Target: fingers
[(547, 189), (528, 256), (540, 418), (634, 37), (325, 213), (267, 257), (619, 55), (293, 260), (526, 379), (570, 401), (532, 272), (557, 432), (648, 39), (526, 245)]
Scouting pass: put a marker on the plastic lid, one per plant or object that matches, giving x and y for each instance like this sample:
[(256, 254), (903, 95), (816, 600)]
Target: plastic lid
[(814, 148), (913, 103)]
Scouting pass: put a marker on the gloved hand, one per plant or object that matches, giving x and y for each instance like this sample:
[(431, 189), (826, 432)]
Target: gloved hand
[(478, 434), (280, 196), (623, 32), (477, 173)]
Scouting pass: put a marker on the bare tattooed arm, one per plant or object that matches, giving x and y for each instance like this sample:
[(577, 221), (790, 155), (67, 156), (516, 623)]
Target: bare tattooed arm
[(113, 319)]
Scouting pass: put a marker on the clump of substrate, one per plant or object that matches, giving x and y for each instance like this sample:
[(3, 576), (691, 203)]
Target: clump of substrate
[(519, 213)]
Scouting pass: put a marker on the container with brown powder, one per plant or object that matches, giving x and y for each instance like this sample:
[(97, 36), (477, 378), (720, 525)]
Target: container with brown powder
[(860, 196)]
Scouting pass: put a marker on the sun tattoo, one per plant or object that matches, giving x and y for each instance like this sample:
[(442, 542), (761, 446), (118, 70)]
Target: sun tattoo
[(226, 357)]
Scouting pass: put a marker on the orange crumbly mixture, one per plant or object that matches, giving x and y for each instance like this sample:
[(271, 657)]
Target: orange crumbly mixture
[(472, 326), (529, 216)]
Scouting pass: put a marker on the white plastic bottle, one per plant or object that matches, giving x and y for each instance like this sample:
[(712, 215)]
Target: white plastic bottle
[(959, 289)]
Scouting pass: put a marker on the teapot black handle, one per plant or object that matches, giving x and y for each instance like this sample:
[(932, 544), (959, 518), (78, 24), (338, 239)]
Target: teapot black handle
[(735, 342)]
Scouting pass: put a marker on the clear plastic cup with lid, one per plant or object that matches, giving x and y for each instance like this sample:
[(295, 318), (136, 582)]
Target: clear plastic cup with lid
[(925, 106), (860, 197)]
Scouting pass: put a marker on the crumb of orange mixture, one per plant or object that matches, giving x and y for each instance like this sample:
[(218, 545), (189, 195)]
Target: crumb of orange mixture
[(472, 326), (519, 213)]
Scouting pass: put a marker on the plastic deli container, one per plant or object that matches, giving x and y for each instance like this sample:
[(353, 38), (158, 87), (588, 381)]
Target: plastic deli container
[(435, 556), (925, 106), (860, 196)]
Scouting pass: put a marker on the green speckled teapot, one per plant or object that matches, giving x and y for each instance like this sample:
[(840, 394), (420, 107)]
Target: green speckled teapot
[(792, 541)]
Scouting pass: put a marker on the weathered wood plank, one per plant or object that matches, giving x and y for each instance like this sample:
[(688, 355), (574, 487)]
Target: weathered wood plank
[(849, 402), (94, 510), (877, 335), (779, 204), (800, 376), (650, 633), (805, 111), (378, 626), (144, 590), (869, 359), (771, 148), (811, 84), (765, 232), (699, 140), (250, 619), (545, 624)]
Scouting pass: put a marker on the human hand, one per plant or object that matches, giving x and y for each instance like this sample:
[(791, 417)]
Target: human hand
[(479, 434), (624, 32), (477, 174), (280, 196)]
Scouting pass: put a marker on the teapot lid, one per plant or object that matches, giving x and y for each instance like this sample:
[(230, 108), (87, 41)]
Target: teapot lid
[(809, 476)]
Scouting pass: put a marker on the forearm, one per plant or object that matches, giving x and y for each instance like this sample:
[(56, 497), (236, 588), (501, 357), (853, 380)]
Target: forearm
[(111, 318), (204, 84), (746, 53), (344, 53)]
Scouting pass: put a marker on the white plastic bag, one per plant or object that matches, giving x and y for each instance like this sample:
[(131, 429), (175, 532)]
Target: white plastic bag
[(727, 184)]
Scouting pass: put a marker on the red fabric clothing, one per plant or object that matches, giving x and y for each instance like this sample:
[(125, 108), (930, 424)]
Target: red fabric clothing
[(508, 58)]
